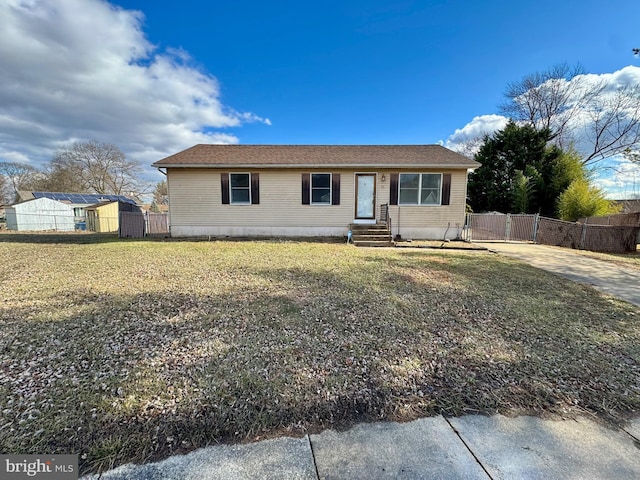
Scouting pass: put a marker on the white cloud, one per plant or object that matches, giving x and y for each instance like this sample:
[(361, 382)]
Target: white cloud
[(619, 177), (83, 69), (628, 76), (465, 138), (623, 180), (582, 123), (18, 157)]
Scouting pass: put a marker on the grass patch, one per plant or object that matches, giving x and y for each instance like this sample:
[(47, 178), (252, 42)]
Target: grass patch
[(135, 350)]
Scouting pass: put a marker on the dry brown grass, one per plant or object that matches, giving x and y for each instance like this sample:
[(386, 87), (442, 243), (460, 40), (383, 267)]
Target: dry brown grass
[(134, 350)]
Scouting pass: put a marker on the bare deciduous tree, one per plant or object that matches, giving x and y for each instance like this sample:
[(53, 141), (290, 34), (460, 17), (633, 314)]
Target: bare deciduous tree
[(60, 180), (19, 176), (4, 189), (614, 125), (550, 99), (470, 147), (565, 100), (97, 167)]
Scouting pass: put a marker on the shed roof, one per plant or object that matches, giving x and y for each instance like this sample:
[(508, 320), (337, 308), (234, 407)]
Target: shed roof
[(291, 156), (76, 198), (101, 204), (40, 199), (122, 206)]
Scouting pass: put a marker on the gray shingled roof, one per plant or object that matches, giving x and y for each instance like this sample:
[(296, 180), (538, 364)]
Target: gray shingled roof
[(289, 156)]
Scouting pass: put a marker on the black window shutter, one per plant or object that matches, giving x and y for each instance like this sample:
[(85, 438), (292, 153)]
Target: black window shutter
[(446, 188), (335, 189), (224, 185), (393, 188), (255, 188), (306, 188)]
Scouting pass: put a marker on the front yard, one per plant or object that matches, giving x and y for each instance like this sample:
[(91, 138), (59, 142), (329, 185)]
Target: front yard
[(134, 350)]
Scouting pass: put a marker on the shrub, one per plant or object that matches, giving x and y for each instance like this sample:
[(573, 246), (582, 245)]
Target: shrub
[(582, 199)]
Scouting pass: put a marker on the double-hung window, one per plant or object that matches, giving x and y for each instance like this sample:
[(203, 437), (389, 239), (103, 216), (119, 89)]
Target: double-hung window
[(420, 189), (240, 188), (321, 189)]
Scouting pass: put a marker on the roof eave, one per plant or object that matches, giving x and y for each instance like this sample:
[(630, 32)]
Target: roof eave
[(323, 165)]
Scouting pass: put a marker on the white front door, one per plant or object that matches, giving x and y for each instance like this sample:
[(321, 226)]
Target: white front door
[(365, 196)]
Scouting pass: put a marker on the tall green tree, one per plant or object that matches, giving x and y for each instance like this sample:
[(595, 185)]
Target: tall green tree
[(567, 168), (523, 190), (161, 193), (524, 149)]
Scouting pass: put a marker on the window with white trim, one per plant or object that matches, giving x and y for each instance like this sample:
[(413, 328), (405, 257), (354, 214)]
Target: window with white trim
[(419, 189), (240, 188), (321, 189)]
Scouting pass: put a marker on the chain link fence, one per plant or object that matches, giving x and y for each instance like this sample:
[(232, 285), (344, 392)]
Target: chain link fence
[(620, 235), (126, 224)]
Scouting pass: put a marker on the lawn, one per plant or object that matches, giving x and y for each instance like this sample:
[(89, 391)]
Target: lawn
[(129, 350)]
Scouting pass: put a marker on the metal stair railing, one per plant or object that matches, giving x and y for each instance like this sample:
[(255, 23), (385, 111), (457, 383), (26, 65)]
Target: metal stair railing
[(386, 218)]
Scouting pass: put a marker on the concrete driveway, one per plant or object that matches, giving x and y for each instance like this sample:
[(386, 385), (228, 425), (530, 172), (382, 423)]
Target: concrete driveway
[(605, 276)]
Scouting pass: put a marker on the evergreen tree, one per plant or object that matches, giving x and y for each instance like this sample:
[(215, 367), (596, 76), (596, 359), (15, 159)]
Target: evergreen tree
[(523, 190), (514, 149)]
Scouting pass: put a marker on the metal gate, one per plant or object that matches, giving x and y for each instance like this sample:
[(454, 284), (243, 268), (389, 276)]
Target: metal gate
[(500, 226)]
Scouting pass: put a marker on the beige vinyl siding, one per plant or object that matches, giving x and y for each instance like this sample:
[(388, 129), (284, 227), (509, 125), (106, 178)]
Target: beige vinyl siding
[(196, 204), (193, 195), (196, 199), (426, 216)]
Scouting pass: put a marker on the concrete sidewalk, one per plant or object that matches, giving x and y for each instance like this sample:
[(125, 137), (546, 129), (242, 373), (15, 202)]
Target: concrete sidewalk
[(605, 276), (471, 447)]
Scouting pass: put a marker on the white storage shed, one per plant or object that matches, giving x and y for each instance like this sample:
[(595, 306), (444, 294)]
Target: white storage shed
[(40, 214)]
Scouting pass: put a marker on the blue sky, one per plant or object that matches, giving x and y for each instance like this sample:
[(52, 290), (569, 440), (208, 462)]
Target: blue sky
[(156, 77), (380, 71)]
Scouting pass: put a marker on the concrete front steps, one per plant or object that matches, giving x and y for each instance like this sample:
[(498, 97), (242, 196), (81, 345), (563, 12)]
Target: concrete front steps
[(377, 235)]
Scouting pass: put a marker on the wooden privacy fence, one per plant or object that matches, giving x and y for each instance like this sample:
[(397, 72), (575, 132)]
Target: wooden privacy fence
[(549, 231), (157, 223), (138, 224)]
